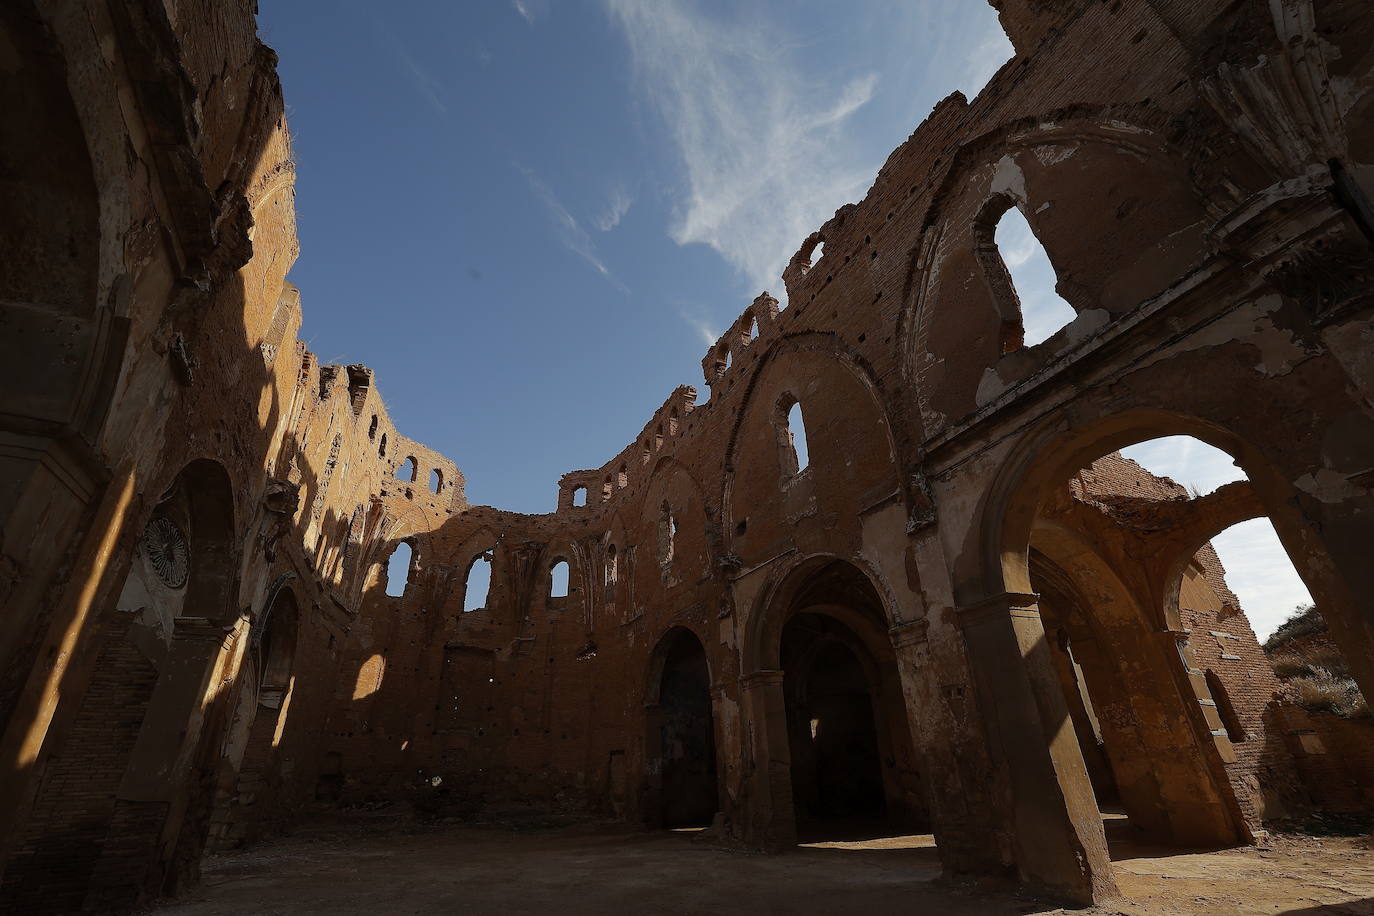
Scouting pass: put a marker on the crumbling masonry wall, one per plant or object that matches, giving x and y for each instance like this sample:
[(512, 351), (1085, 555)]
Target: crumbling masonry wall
[(196, 517)]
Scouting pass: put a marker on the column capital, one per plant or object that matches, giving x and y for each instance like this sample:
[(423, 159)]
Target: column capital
[(761, 679), (1005, 604), (909, 633)]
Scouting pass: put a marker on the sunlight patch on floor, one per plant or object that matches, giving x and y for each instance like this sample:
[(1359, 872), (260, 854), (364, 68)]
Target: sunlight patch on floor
[(912, 841)]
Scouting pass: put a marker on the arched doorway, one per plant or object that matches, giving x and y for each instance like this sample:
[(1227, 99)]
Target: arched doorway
[(680, 755), (833, 736), (838, 749), (1113, 562), (251, 773)]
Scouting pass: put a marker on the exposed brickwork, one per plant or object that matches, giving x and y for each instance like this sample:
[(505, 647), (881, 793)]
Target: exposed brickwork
[(964, 535), (79, 823), (1335, 757)]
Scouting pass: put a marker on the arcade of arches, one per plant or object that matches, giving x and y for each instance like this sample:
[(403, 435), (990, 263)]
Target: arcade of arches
[(892, 576)]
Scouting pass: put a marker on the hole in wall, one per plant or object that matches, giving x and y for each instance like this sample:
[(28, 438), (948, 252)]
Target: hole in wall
[(398, 570), (558, 579), (477, 589), (1043, 311)]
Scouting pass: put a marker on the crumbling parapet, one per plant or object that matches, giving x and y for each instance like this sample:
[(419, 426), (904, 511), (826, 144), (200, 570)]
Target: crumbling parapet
[(753, 323)]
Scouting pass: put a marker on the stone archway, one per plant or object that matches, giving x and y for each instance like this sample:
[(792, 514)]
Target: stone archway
[(834, 740), (830, 720), (1133, 692), (681, 785), (1058, 829)]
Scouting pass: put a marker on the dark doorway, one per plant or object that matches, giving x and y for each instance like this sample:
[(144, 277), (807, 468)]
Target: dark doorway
[(687, 750), (836, 750)]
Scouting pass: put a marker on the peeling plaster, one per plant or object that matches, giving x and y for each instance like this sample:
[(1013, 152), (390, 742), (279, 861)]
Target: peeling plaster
[(1009, 179), (1055, 154), (1279, 350), (1328, 486), (990, 387)]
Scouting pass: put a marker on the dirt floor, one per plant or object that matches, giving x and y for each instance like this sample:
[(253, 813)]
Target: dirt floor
[(382, 863)]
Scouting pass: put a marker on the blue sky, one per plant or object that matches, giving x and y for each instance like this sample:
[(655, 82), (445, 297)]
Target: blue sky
[(531, 217)]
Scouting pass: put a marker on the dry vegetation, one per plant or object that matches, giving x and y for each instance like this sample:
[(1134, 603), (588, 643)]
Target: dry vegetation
[(1311, 667)]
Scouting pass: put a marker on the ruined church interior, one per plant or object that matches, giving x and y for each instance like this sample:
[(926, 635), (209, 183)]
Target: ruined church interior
[(876, 616)]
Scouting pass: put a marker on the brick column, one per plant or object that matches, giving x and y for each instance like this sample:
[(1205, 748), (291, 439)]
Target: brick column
[(769, 818), (1057, 828)]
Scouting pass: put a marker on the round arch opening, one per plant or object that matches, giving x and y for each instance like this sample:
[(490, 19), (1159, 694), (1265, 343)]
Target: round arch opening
[(680, 752)]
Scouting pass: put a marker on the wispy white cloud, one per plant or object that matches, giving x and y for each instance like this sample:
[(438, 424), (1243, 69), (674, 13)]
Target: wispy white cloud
[(709, 336), (430, 89), (530, 10), (570, 231), (617, 206), (765, 155), (427, 86), (1015, 241), (1257, 567)]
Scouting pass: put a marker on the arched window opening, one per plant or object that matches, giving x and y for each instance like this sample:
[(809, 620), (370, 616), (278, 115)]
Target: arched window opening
[(796, 425), (606, 488), (1030, 280), (558, 579), (751, 329), (477, 591), (579, 496), (436, 480), (381, 448), (672, 422), (622, 477), (667, 534), (612, 570), (817, 253), (372, 428), (791, 426), (398, 569), (409, 470), (645, 452), (658, 437), (1225, 711)]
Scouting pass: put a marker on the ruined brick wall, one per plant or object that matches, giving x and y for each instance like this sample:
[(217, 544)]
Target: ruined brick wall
[(188, 400), (1335, 756), (903, 347), (1215, 261)]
